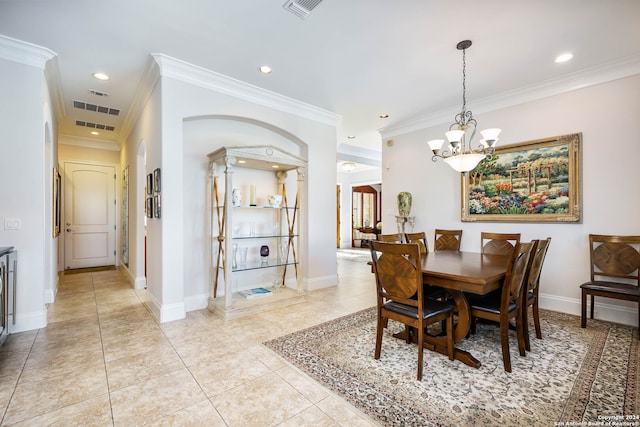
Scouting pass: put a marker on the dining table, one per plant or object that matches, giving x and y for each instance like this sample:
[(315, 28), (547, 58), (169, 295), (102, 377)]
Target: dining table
[(460, 272)]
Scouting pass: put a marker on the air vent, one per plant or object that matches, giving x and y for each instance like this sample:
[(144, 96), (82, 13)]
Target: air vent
[(96, 93), (95, 125), (301, 8), (98, 108)]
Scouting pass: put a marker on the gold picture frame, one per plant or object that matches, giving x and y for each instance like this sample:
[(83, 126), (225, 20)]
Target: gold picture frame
[(57, 202), (534, 181)]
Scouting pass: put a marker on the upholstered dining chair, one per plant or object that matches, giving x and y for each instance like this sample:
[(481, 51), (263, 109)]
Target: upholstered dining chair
[(612, 258), (499, 243), (420, 238), (447, 240), (398, 273), (390, 238), (504, 304), (531, 293)]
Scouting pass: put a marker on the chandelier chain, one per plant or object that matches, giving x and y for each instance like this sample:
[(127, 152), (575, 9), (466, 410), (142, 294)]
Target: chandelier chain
[(464, 81)]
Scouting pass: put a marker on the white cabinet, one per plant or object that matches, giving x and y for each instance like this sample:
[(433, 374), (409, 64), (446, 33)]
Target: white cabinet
[(255, 241)]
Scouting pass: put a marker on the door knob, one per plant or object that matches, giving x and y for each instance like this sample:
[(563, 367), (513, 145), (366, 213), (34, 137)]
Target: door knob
[(69, 230)]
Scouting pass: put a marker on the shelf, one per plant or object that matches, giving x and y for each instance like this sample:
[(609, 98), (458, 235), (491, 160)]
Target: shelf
[(261, 207), (244, 307), (261, 266), (263, 236)]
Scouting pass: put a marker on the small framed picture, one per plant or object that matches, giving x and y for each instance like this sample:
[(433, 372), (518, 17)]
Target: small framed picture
[(156, 206), (149, 207), (149, 184), (156, 180)]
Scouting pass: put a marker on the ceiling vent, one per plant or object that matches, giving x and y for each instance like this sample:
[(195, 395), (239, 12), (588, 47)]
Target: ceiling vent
[(301, 8), (94, 125), (98, 108)]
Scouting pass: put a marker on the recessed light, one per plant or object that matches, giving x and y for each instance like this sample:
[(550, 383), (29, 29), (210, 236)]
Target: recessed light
[(563, 58), (275, 166), (384, 116), (100, 76), (351, 137), (95, 133), (242, 161), (265, 69)]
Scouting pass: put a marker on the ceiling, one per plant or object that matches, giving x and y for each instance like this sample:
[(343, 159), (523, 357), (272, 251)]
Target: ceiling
[(356, 58)]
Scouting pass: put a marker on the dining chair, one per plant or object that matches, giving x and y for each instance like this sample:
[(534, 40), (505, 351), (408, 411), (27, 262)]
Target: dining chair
[(400, 295), (447, 240), (390, 238), (503, 305), (612, 258), (420, 238), (531, 293), (498, 243)]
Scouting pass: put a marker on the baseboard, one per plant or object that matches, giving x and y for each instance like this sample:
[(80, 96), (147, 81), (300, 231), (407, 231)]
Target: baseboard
[(196, 302), (320, 282), (605, 309), (140, 282), (28, 321)]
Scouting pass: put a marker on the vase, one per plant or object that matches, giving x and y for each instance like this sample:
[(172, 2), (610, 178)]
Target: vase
[(404, 203), (236, 197)]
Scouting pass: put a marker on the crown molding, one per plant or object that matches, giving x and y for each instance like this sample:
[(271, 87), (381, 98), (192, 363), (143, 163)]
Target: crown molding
[(207, 79), (614, 70), (24, 53)]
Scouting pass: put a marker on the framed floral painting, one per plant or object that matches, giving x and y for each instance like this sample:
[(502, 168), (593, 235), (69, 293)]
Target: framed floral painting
[(535, 181)]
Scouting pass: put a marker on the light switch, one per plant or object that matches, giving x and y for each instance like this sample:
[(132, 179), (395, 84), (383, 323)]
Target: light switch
[(12, 224)]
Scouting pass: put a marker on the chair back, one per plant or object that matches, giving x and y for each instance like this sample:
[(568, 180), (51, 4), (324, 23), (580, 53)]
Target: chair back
[(398, 272), (447, 240), (419, 238), (615, 257), (538, 256), (515, 279), (499, 243), (390, 238)]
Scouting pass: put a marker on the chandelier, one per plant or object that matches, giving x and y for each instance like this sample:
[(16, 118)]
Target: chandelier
[(460, 154), (348, 166)]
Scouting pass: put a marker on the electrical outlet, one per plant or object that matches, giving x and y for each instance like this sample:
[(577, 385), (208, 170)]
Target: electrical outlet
[(12, 224)]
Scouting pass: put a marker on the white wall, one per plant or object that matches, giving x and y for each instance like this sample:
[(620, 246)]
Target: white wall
[(606, 114), (176, 239), (25, 113)]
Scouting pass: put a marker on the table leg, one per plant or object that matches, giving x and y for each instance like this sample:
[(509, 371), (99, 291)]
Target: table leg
[(461, 329)]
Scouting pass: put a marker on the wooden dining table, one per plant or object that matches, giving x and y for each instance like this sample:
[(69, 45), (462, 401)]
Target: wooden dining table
[(460, 272)]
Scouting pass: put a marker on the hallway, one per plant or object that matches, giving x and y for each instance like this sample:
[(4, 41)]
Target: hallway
[(104, 360)]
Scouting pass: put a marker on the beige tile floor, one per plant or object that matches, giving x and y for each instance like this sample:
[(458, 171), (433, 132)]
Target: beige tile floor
[(104, 360)]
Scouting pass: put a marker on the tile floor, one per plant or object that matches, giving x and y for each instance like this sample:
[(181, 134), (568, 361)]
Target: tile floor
[(104, 360)]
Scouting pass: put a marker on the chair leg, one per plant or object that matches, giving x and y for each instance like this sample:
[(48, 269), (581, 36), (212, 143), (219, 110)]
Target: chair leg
[(525, 327), (593, 305), (520, 334), (420, 332), (536, 319), (381, 325), (504, 340), (584, 309)]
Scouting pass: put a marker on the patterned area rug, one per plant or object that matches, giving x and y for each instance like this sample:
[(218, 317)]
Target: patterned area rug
[(573, 376)]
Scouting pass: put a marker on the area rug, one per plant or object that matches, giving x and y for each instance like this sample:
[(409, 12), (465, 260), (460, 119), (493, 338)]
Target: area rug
[(572, 376)]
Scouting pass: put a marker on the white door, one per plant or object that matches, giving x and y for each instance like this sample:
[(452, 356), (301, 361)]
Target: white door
[(90, 207)]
